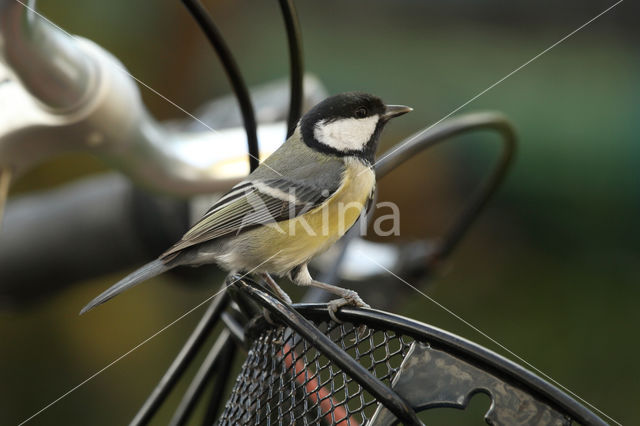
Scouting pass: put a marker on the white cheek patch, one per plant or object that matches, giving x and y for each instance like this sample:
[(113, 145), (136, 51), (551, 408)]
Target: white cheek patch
[(347, 134)]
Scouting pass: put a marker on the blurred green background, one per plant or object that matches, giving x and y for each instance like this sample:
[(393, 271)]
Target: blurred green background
[(551, 269)]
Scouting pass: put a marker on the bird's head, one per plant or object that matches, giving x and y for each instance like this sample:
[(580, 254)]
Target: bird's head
[(348, 124)]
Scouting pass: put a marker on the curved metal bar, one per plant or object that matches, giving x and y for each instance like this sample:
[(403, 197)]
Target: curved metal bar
[(219, 386), (212, 33), (235, 327), (200, 380), (434, 135), (182, 360), (296, 63), (478, 355), (323, 344)]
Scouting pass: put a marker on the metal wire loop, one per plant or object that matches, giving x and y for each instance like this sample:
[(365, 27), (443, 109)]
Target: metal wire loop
[(437, 134), (238, 84), (296, 63)]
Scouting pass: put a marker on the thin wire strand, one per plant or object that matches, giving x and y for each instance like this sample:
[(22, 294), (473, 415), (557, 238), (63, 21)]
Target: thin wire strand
[(420, 133), (494, 341), (140, 344)]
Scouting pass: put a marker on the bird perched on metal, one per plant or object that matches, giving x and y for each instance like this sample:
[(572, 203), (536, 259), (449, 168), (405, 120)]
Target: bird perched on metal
[(296, 204)]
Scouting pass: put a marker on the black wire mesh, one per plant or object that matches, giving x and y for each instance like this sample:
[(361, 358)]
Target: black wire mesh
[(285, 380)]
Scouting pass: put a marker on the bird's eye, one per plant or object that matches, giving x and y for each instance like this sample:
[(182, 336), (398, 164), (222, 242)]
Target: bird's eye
[(361, 112)]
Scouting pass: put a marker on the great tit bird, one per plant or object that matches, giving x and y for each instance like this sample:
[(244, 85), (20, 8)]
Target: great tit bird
[(296, 204)]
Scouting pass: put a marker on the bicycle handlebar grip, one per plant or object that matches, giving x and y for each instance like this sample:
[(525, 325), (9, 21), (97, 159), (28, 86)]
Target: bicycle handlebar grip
[(47, 61), (79, 231)]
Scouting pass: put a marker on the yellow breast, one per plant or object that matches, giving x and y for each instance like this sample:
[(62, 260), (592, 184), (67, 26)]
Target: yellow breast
[(305, 236)]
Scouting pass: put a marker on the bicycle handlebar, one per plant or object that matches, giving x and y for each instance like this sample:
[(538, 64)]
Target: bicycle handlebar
[(62, 93), (50, 66)]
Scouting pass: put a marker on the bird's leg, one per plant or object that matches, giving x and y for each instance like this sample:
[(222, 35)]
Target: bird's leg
[(276, 288), (300, 276)]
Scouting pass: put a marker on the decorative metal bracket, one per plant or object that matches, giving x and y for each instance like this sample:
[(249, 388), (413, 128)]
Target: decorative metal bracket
[(430, 378)]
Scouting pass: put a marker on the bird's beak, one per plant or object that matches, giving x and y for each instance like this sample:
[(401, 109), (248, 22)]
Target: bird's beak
[(395, 110)]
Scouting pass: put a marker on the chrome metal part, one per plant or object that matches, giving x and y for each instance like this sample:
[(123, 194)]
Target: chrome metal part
[(61, 93), (49, 64)]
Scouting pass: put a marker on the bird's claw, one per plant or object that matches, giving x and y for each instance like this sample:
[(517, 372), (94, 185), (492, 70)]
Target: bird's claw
[(350, 297), (280, 293)]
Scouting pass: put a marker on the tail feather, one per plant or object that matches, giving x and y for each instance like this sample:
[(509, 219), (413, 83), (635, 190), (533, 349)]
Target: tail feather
[(145, 272)]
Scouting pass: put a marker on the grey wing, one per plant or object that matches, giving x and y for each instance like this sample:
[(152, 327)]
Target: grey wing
[(253, 203)]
